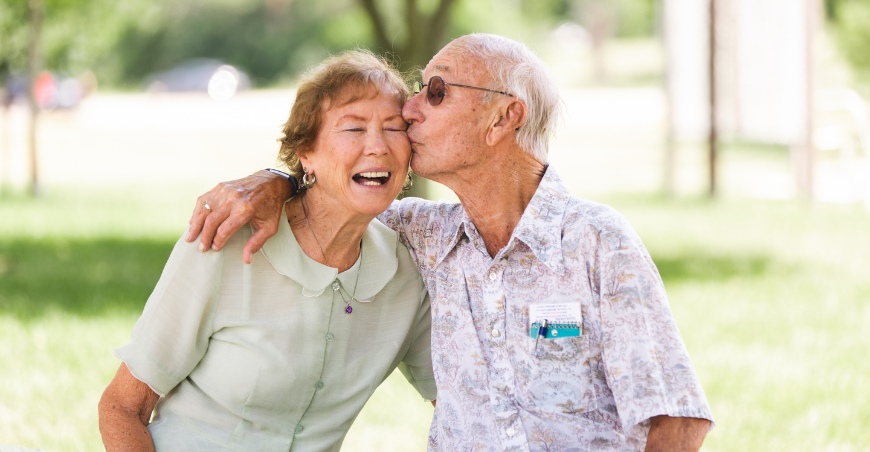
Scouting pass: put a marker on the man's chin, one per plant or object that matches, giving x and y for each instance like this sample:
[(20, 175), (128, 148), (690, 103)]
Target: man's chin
[(418, 166)]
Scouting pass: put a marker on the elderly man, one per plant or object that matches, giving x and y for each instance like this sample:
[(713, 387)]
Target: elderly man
[(550, 324)]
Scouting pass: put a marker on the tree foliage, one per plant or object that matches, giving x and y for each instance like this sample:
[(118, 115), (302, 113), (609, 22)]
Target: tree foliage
[(123, 42), (851, 22)]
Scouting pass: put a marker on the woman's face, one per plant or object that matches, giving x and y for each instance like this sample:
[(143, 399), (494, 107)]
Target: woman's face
[(360, 157)]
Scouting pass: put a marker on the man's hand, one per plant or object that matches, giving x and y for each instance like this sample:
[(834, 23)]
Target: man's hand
[(676, 434), (256, 199)]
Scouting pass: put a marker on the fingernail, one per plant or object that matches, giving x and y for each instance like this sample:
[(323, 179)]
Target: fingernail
[(187, 235), (202, 247), (213, 247)]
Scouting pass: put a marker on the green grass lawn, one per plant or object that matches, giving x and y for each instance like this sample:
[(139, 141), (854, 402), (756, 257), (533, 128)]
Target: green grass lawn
[(772, 298)]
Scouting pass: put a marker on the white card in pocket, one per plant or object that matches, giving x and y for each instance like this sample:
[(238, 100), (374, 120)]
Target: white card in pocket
[(563, 320)]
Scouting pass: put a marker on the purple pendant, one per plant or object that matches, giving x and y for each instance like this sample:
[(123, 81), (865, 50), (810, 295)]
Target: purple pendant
[(348, 309)]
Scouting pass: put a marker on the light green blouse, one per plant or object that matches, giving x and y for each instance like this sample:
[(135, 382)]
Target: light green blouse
[(263, 356)]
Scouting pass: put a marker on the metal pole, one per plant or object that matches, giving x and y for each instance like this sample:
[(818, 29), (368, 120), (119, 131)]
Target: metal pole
[(712, 66), (806, 179), (668, 173), (35, 7)]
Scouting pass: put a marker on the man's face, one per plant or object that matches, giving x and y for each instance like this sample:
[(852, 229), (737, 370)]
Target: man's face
[(450, 136)]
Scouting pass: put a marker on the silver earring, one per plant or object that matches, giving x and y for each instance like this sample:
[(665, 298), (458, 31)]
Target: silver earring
[(308, 180)]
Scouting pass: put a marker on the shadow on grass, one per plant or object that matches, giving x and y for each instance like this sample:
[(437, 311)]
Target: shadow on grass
[(79, 277), (111, 275), (701, 267)]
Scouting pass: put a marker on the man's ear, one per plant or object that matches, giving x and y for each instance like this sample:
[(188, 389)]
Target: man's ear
[(511, 116)]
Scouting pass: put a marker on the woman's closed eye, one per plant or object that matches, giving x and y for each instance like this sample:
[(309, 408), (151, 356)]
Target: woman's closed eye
[(396, 126)]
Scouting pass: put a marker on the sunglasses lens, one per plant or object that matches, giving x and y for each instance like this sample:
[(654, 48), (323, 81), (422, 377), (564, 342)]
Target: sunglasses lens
[(436, 91), (418, 86)]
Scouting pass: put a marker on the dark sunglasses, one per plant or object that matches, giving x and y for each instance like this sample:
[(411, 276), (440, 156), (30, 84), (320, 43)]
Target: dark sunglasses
[(435, 93)]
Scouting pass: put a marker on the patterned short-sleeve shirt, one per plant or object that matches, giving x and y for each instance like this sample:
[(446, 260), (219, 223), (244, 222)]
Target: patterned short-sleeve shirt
[(595, 391)]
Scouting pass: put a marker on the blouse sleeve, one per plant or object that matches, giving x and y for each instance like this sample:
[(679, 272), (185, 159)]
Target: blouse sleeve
[(416, 365), (172, 335)]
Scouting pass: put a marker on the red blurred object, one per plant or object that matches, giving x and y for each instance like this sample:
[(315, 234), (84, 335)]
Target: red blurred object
[(45, 91)]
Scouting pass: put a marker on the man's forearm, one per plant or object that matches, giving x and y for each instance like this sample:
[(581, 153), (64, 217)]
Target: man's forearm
[(676, 434)]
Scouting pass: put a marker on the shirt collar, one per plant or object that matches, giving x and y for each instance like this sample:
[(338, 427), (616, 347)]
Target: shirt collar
[(540, 227), (379, 261)]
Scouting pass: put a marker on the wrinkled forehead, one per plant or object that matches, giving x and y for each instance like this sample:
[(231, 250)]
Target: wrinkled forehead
[(453, 63)]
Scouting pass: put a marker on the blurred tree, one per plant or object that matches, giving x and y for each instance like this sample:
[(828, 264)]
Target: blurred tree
[(851, 20), (422, 29), (33, 32)]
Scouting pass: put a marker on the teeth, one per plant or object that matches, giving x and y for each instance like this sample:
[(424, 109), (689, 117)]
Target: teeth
[(375, 174), (371, 182)]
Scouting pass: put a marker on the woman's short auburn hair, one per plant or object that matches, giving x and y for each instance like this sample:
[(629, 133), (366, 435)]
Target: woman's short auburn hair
[(338, 80)]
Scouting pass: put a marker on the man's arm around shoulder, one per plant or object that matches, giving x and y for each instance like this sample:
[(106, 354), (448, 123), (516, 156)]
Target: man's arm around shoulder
[(256, 199)]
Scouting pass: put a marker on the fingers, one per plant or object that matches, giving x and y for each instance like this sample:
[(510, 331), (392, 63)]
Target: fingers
[(210, 226), (197, 218), (255, 243), (238, 217)]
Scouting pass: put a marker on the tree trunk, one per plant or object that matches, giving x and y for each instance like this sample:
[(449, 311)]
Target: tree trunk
[(712, 137), (425, 35), (33, 68)]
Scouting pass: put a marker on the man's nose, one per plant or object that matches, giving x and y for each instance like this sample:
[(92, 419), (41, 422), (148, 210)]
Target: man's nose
[(411, 110)]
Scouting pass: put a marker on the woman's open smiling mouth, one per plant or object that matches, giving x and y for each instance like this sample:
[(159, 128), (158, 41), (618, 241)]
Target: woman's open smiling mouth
[(372, 178)]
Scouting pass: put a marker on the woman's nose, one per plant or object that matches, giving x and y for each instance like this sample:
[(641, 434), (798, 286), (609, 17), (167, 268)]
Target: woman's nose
[(376, 143)]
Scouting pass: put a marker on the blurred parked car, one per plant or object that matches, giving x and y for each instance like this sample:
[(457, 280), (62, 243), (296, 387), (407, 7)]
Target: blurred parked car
[(221, 81)]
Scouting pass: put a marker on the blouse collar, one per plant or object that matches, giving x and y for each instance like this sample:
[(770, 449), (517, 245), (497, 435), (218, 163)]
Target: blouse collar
[(379, 262)]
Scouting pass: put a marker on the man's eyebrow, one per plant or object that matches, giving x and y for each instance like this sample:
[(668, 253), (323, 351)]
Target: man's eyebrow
[(442, 68)]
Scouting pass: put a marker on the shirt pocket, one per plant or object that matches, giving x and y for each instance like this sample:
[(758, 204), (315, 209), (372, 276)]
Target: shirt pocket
[(561, 375)]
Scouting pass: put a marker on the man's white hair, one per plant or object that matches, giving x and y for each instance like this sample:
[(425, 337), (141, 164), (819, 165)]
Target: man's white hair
[(514, 68)]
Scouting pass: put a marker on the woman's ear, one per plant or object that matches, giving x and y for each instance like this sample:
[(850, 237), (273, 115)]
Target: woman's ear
[(305, 161)]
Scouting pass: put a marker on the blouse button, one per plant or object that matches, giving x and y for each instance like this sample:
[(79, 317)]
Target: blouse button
[(329, 337), (299, 428), (495, 332), (335, 285), (318, 385)]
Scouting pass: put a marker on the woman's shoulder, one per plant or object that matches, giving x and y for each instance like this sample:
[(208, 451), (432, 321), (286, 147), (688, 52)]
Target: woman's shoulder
[(391, 250)]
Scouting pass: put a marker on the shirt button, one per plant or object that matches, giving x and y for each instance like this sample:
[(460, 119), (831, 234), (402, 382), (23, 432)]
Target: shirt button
[(318, 385), (495, 332), (493, 275), (329, 337), (511, 431), (299, 428), (335, 285)]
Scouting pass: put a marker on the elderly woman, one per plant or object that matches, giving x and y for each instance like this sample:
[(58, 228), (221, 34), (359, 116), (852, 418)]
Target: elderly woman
[(283, 353)]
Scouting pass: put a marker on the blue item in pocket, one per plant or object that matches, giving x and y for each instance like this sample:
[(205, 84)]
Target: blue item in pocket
[(555, 330)]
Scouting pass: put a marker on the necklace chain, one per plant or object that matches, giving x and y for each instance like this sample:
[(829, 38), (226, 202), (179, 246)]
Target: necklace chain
[(336, 285)]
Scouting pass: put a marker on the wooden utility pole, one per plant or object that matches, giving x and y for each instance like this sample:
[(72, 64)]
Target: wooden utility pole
[(712, 66), (33, 68), (805, 157)]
